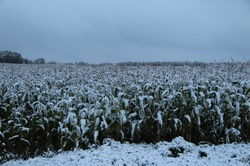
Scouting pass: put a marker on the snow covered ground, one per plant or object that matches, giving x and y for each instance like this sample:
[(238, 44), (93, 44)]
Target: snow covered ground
[(177, 152)]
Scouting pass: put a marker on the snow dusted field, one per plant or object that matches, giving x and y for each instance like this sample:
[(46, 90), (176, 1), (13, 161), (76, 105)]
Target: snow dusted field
[(58, 108), (162, 153)]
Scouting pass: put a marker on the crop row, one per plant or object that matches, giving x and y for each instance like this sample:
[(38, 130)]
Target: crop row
[(63, 107)]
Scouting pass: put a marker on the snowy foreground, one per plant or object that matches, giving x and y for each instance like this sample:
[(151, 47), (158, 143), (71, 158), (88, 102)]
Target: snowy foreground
[(177, 152)]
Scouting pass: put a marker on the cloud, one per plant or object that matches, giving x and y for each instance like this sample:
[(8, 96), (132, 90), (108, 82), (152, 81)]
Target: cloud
[(114, 31)]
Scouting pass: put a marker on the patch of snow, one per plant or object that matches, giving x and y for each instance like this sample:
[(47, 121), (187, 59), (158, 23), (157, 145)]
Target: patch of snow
[(122, 117), (133, 129), (96, 133), (188, 118), (83, 125), (104, 122), (115, 153), (159, 117), (220, 114)]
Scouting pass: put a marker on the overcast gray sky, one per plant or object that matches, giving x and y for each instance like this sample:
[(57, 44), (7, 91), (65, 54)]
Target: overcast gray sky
[(97, 31)]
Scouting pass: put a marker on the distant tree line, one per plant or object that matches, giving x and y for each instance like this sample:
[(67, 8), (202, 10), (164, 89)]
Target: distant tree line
[(14, 57)]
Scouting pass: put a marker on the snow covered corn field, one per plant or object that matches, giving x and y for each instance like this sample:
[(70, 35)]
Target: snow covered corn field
[(65, 107)]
